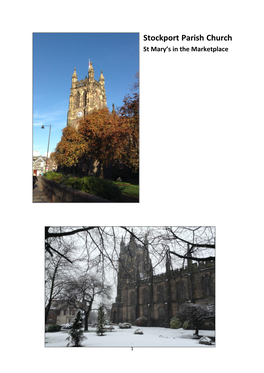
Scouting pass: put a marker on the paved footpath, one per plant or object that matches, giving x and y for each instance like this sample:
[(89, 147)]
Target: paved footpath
[(39, 196)]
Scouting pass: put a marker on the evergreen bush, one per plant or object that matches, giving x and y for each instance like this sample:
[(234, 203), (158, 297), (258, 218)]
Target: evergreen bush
[(53, 328), (76, 333), (51, 175), (185, 325), (141, 321), (101, 321), (175, 323)]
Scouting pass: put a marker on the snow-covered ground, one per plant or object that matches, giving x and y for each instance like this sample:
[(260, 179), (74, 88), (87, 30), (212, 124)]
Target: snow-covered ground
[(152, 337)]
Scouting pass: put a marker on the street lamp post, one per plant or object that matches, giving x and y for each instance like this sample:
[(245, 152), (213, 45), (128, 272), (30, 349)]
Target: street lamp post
[(47, 157)]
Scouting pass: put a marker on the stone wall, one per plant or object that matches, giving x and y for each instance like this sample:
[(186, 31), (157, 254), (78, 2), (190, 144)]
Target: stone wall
[(159, 299)]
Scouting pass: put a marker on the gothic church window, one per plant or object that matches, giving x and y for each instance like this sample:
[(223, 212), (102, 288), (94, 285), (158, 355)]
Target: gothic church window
[(132, 298), (77, 100), (161, 311), (180, 290), (145, 312), (83, 98), (160, 294), (145, 296), (132, 313), (206, 286)]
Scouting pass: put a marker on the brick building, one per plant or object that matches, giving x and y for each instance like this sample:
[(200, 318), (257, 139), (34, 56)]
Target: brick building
[(61, 313)]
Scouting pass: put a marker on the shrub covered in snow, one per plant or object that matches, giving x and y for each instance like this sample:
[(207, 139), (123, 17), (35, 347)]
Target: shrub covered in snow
[(76, 333), (124, 325), (197, 314), (53, 328), (141, 321), (100, 321), (175, 323)]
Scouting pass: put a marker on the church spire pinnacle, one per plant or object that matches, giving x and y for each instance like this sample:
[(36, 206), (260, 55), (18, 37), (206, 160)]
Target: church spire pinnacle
[(91, 71), (102, 79), (74, 78), (74, 73)]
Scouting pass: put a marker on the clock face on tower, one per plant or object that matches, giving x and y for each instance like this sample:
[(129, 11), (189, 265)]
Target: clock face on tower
[(79, 114)]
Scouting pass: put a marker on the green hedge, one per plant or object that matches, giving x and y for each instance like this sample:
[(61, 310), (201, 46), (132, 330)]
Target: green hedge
[(89, 184)]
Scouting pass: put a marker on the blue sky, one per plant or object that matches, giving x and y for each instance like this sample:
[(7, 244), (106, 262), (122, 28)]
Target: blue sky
[(55, 55)]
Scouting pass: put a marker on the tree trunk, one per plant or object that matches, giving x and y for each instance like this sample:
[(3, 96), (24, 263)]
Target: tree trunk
[(197, 329), (51, 294), (86, 320), (86, 317), (101, 175)]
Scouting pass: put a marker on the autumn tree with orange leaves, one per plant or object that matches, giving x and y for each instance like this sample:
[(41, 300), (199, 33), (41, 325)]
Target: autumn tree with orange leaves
[(110, 138), (129, 113), (70, 149)]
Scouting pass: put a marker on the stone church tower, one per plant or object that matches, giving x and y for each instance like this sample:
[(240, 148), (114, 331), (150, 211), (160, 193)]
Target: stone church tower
[(134, 265), (86, 95)]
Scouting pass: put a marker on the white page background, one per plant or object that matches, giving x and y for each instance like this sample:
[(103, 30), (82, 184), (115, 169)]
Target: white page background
[(201, 154)]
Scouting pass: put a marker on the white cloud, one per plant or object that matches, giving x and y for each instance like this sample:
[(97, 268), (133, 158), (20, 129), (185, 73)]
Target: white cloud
[(56, 117)]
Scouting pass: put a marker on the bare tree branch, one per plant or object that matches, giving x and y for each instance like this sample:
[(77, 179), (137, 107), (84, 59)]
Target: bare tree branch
[(193, 245), (49, 249), (62, 234)]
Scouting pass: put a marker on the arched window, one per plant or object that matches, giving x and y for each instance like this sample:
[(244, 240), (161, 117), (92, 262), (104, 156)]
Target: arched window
[(180, 290), (145, 312), (77, 99), (132, 298), (161, 311), (160, 294), (83, 97), (207, 287), (132, 314), (145, 296)]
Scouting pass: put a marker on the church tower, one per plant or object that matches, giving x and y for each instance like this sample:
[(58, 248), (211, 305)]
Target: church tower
[(86, 95), (134, 264)]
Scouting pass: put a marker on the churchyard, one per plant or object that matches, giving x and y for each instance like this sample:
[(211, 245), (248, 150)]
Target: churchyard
[(151, 337)]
